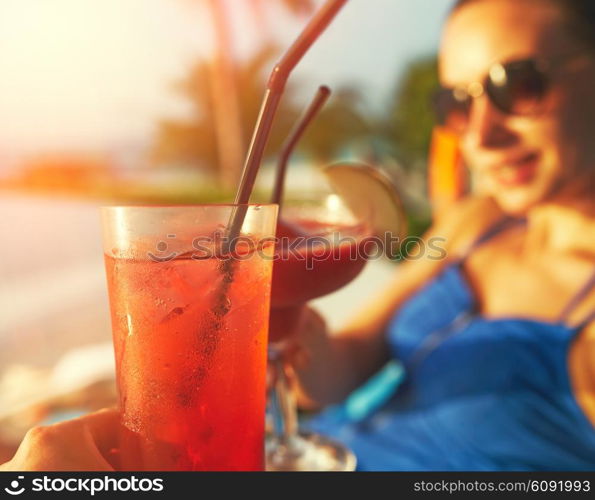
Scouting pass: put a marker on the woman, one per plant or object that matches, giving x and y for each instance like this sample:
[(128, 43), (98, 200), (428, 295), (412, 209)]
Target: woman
[(497, 340)]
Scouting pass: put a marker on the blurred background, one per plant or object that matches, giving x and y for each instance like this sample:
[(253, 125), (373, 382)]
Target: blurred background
[(154, 101)]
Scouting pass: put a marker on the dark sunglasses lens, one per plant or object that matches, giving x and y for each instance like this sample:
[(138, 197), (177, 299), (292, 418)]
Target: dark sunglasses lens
[(517, 88), (450, 111)]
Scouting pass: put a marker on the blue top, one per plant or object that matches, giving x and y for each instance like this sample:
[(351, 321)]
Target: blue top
[(478, 393)]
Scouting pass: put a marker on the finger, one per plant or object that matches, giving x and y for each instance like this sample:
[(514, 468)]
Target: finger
[(59, 448), (312, 319), (104, 427), (88, 440)]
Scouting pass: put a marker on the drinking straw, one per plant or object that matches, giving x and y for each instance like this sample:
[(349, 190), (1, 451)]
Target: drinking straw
[(293, 138), (270, 103)]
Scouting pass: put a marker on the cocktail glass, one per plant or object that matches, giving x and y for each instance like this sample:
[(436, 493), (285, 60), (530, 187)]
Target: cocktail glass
[(320, 249), (190, 329)]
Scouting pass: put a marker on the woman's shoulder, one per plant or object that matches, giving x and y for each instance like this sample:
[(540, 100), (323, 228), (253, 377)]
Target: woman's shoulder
[(465, 221)]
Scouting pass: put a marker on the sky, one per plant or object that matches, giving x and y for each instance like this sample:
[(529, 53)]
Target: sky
[(97, 74)]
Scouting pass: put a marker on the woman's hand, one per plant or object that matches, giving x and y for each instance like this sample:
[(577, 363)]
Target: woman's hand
[(320, 361), (81, 444)]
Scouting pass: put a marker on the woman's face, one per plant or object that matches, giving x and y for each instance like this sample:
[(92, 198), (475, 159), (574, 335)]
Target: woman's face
[(522, 160)]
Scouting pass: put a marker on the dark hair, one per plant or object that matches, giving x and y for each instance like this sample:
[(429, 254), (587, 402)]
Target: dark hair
[(579, 17)]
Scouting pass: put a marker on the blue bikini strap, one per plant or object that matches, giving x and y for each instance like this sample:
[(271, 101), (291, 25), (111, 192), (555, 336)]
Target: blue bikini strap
[(491, 232), (580, 295), (583, 324), (576, 299), (505, 223)]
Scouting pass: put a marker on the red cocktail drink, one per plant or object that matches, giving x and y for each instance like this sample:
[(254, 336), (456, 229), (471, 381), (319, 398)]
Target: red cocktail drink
[(320, 248), (364, 203), (313, 258), (190, 334)]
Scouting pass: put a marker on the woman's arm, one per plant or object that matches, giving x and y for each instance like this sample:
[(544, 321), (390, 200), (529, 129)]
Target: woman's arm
[(330, 366), (581, 363)]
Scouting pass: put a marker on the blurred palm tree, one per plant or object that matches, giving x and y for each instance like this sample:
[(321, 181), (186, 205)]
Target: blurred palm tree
[(223, 88), (410, 115), (221, 79), (258, 8), (340, 123), (226, 94), (194, 142)]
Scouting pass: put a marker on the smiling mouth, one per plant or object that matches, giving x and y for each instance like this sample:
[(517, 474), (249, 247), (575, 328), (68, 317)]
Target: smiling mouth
[(518, 172)]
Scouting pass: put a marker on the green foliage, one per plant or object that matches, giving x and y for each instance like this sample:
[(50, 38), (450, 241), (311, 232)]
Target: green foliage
[(339, 123), (193, 142), (417, 224), (343, 128), (411, 118)]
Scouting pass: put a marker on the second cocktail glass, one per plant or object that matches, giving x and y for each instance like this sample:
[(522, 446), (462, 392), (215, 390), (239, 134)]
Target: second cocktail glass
[(190, 329), (320, 248)]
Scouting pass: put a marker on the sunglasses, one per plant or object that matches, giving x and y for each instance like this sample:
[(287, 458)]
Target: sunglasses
[(515, 88)]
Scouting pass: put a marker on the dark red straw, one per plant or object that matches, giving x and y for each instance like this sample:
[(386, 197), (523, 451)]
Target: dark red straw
[(294, 137), (275, 87)]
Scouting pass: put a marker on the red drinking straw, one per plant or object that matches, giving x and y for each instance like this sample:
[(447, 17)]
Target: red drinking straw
[(274, 91), (294, 136)]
